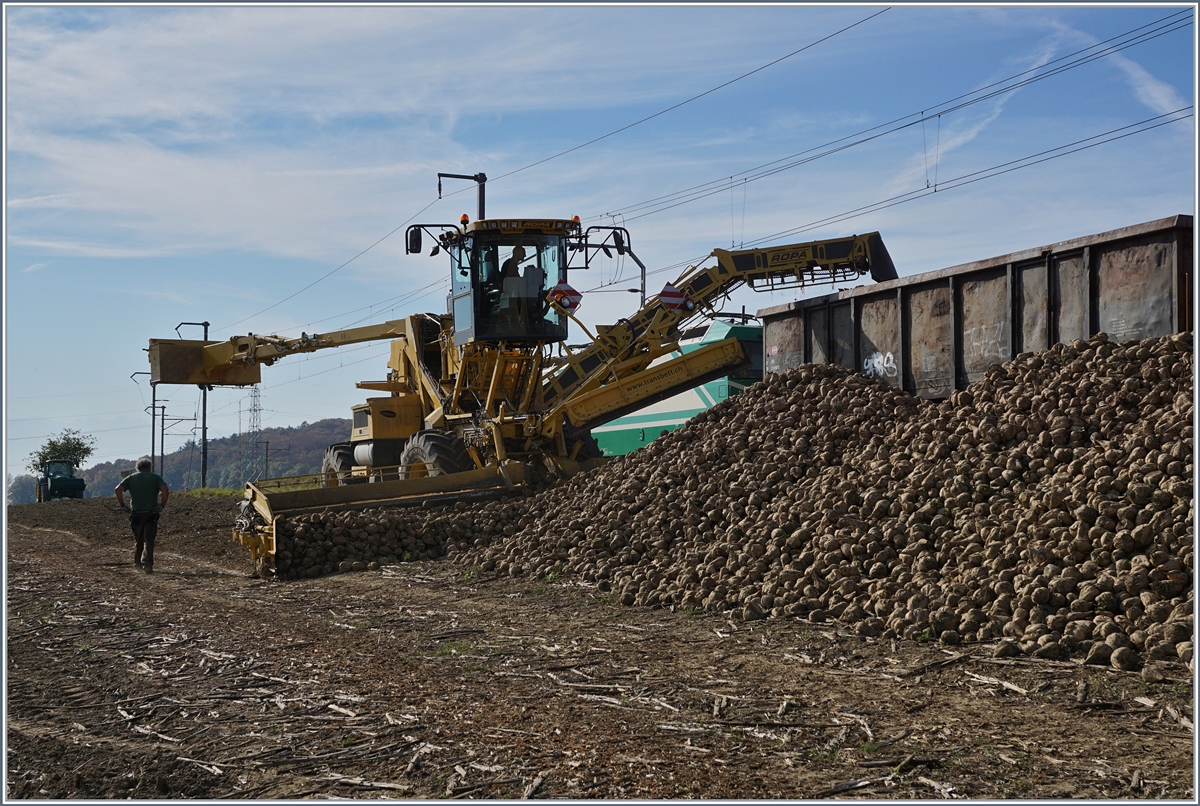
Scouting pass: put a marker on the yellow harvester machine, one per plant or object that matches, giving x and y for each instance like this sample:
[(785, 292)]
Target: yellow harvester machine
[(474, 395)]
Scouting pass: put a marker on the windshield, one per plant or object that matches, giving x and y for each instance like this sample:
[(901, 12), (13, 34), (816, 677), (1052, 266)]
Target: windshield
[(514, 273), (58, 468)]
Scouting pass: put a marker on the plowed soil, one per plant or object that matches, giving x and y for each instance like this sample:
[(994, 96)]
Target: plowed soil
[(433, 680)]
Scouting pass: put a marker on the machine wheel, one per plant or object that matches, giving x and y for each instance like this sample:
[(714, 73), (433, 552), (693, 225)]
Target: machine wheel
[(39, 495), (434, 453), (339, 459)]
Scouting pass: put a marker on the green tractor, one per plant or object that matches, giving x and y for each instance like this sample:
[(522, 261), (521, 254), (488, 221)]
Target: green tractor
[(58, 480)]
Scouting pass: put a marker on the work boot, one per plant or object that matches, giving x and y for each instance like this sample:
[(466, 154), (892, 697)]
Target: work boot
[(149, 569), (138, 566)]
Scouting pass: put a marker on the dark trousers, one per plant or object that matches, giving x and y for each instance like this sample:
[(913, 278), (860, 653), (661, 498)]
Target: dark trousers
[(145, 527)]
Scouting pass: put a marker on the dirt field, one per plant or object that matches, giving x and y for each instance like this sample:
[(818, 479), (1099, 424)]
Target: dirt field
[(431, 680)]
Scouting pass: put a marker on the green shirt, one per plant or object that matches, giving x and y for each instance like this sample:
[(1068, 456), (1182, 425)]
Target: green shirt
[(143, 488)]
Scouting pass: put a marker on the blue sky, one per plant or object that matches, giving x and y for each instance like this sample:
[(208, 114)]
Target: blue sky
[(176, 164)]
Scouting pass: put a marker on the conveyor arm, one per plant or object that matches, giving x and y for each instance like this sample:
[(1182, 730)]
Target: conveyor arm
[(629, 346), (236, 361)]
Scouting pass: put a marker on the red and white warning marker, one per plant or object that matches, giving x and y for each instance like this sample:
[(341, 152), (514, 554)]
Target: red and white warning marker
[(565, 296), (673, 298)]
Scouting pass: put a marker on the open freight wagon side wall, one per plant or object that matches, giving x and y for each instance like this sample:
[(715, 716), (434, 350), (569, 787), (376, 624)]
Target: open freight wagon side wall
[(936, 332)]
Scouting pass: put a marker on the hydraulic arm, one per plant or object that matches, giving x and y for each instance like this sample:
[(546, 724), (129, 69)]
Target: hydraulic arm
[(236, 361), (613, 373)]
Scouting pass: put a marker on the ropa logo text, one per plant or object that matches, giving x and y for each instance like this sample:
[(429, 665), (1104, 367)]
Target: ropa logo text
[(789, 257)]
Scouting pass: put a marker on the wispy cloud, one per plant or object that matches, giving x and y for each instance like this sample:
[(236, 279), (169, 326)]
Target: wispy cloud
[(52, 200), (943, 136), (311, 131), (215, 68), (182, 299), (34, 267), (1154, 93), (1157, 95), (83, 249), (924, 168)]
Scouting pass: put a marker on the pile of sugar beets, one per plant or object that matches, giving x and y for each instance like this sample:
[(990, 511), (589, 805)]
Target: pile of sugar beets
[(1049, 504)]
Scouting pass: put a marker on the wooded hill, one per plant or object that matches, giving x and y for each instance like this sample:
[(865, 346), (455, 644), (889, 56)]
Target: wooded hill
[(232, 461)]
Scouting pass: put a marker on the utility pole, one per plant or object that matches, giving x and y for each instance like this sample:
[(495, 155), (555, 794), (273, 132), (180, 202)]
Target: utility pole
[(154, 410), (162, 442), (266, 443), (203, 412), (174, 421)]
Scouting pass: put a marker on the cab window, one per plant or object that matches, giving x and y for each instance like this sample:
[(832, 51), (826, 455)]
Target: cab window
[(513, 276)]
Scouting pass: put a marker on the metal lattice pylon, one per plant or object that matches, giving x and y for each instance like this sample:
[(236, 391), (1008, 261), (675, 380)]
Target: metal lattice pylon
[(255, 425)]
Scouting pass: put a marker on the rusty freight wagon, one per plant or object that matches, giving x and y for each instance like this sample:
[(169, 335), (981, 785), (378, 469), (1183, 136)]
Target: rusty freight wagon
[(935, 332)]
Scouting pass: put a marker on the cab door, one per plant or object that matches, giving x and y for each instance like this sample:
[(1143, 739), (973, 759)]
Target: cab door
[(462, 298)]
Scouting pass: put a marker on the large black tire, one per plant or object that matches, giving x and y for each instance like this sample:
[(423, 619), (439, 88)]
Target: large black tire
[(40, 495), (339, 459), (434, 453)]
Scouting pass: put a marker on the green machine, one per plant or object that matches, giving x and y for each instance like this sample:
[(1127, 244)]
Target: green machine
[(58, 480), (633, 431)]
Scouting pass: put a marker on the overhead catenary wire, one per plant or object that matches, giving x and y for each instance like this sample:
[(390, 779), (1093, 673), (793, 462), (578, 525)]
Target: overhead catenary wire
[(213, 413), (333, 271), (96, 431), (387, 304), (924, 148), (1162, 29), (594, 140), (672, 108), (79, 417), (775, 170), (1139, 35), (332, 369), (1112, 135), (1157, 28), (1027, 161)]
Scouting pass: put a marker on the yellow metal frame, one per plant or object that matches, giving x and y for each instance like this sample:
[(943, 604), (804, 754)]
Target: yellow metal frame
[(276, 498), (508, 388), (287, 496), (633, 343), (623, 392)]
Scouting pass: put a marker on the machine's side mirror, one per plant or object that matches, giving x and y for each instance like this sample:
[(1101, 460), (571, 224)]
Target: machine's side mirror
[(619, 242), (414, 241)]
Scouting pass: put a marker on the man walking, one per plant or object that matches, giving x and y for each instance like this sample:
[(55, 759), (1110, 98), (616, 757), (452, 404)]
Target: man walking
[(143, 488)]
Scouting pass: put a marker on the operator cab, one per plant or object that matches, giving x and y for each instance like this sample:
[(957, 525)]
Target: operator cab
[(501, 273)]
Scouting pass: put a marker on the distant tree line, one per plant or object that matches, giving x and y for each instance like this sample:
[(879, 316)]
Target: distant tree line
[(232, 461)]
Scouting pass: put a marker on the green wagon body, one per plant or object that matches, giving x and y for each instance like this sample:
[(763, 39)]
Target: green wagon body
[(633, 431)]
